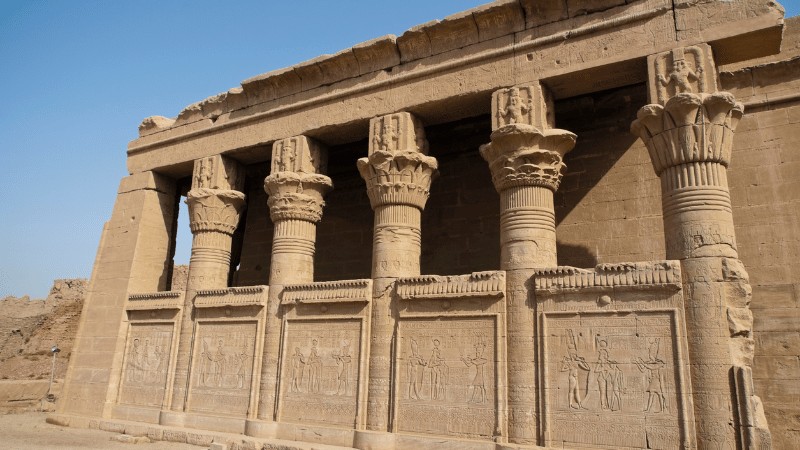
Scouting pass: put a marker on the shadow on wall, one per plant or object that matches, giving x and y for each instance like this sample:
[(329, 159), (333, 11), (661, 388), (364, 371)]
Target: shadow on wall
[(601, 112), (575, 255)]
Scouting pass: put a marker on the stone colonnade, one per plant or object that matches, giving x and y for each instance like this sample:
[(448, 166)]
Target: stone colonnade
[(688, 132)]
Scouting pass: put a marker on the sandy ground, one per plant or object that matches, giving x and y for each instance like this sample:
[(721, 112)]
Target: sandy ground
[(29, 431)]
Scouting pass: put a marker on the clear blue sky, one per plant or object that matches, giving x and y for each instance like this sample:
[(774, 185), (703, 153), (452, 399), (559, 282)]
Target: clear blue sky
[(79, 76)]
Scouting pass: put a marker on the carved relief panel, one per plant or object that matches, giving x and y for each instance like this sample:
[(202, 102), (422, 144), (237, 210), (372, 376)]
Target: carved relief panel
[(612, 342), (446, 372), (682, 70), (222, 367), (299, 154), (615, 375), (449, 358), (320, 377), (522, 105), (146, 364), (217, 172), (324, 337)]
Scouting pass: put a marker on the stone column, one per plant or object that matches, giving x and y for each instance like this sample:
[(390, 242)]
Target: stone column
[(215, 204), (398, 174), (689, 134), (525, 158), (295, 187)]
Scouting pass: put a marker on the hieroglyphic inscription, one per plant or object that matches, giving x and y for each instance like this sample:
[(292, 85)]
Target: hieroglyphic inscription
[(222, 367), (321, 371), (615, 376), (446, 378), (146, 363)]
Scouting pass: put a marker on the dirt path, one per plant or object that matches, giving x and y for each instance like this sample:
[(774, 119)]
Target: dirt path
[(29, 431)]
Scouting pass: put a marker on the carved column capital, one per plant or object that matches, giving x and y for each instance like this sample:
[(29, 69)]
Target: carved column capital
[(215, 201), (523, 155), (296, 186), (296, 195), (525, 150), (398, 170), (689, 128), (214, 210)]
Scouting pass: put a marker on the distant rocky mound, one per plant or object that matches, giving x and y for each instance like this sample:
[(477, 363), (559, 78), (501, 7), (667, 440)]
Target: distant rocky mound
[(30, 327)]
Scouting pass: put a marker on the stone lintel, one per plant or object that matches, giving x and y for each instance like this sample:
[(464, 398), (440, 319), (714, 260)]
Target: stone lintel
[(285, 82)]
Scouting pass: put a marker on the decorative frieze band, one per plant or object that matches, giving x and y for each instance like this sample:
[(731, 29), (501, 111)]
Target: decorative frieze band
[(234, 296), (476, 284), (155, 300), (345, 291), (654, 274)]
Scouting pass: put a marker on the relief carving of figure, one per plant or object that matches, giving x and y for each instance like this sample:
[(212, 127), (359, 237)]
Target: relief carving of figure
[(212, 367), (515, 108), (387, 140), (416, 367), (204, 174), (478, 385), (343, 361), (135, 367), (680, 76), (439, 372), (655, 379), (610, 379), (287, 157), (572, 363), (314, 368), (240, 364), (298, 364)]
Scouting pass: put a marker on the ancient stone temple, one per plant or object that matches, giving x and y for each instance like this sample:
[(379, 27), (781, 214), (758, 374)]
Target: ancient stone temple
[(526, 225)]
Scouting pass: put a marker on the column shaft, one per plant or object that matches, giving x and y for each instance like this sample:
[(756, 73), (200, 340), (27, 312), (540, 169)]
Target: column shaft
[(215, 204), (689, 135), (526, 161), (296, 187), (398, 174)]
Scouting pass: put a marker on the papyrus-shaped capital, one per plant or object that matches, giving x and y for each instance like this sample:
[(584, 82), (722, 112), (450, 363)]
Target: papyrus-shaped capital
[(689, 128)]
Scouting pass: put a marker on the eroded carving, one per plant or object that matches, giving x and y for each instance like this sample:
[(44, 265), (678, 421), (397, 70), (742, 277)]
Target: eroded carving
[(453, 390), (296, 184), (321, 377), (682, 70), (222, 367), (617, 372), (146, 363)]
